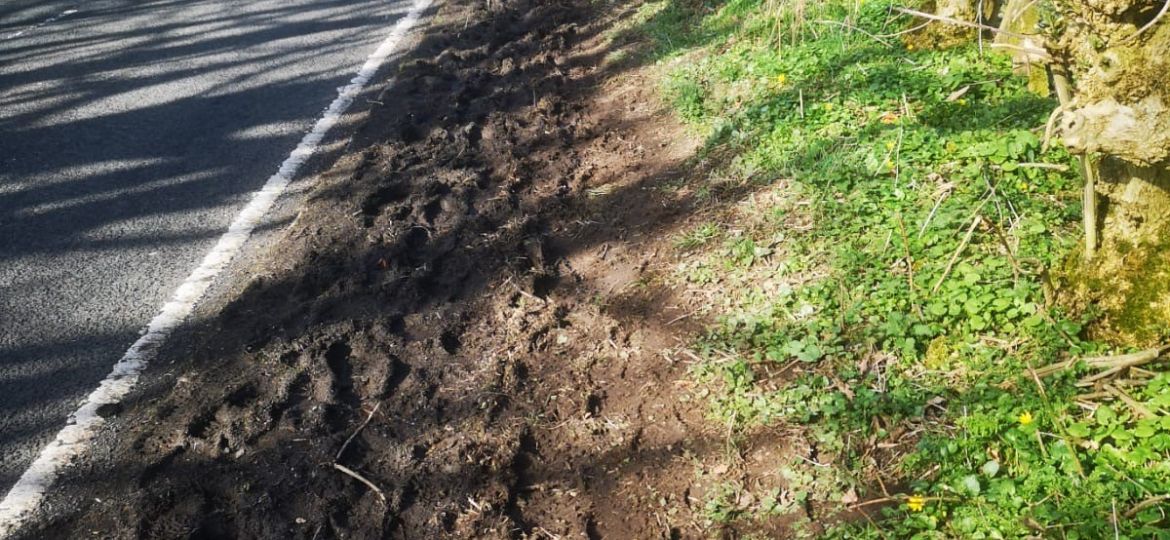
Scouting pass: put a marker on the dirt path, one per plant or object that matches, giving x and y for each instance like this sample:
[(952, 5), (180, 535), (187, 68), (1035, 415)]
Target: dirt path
[(467, 317)]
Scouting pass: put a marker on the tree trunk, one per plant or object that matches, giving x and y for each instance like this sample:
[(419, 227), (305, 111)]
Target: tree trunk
[(1128, 279), (1115, 53)]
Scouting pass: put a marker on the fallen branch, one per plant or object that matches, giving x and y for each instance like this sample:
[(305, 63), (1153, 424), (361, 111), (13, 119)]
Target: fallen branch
[(1143, 373), (1128, 360), (1108, 362), (892, 498), (1094, 396), (1090, 380)]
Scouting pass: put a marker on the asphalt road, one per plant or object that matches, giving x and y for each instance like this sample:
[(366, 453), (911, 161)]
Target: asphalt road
[(131, 133)]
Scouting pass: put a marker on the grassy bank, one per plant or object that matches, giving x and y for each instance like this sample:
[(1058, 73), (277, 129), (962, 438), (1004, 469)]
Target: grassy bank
[(887, 286)]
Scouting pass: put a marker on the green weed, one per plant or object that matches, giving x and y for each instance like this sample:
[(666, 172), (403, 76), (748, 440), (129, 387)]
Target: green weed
[(910, 306)]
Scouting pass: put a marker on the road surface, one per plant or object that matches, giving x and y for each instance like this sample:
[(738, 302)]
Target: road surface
[(131, 134)]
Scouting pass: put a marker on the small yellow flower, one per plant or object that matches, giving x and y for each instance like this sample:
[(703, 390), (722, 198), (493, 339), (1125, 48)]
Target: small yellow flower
[(781, 79), (828, 106), (916, 503), (1025, 418), (962, 101), (890, 145), (909, 47)]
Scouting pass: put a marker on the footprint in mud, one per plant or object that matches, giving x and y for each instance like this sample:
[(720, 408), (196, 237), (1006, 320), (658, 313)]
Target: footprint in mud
[(450, 342), (398, 372), (373, 204), (543, 284), (242, 396), (338, 359), (432, 211), (413, 241), (294, 394), (199, 425), (154, 469)]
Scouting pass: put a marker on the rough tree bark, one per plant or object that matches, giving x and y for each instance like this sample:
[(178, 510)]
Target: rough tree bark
[(1117, 55)]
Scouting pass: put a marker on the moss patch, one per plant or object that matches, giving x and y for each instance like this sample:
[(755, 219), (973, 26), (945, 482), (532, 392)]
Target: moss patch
[(1129, 289)]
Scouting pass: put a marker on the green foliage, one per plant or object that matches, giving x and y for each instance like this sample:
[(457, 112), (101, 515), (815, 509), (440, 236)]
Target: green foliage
[(933, 229)]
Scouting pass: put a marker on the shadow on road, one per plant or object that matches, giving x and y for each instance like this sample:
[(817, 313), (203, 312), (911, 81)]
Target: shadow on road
[(130, 134), (430, 274)]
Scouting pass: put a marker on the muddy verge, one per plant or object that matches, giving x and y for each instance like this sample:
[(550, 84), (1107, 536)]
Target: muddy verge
[(461, 335)]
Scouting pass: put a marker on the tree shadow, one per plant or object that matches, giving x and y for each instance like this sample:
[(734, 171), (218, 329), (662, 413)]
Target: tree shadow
[(129, 135)]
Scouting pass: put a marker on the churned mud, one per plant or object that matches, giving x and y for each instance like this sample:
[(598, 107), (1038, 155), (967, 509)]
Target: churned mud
[(462, 335)]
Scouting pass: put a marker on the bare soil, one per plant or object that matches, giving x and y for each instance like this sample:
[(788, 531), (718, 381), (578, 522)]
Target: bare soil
[(467, 317)]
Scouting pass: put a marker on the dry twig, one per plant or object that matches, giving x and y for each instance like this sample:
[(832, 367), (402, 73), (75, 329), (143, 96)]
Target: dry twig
[(957, 22), (1138, 408), (356, 431), (1152, 501), (361, 479), (962, 245)]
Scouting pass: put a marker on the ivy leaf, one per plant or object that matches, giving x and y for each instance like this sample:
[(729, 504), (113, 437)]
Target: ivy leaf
[(1079, 429), (1144, 431), (978, 323), (970, 485), (1105, 415)]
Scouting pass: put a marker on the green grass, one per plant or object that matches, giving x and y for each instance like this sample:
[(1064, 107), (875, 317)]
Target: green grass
[(908, 339)]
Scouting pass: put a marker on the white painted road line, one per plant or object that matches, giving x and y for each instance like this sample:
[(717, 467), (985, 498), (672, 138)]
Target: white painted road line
[(82, 425), (50, 20)]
